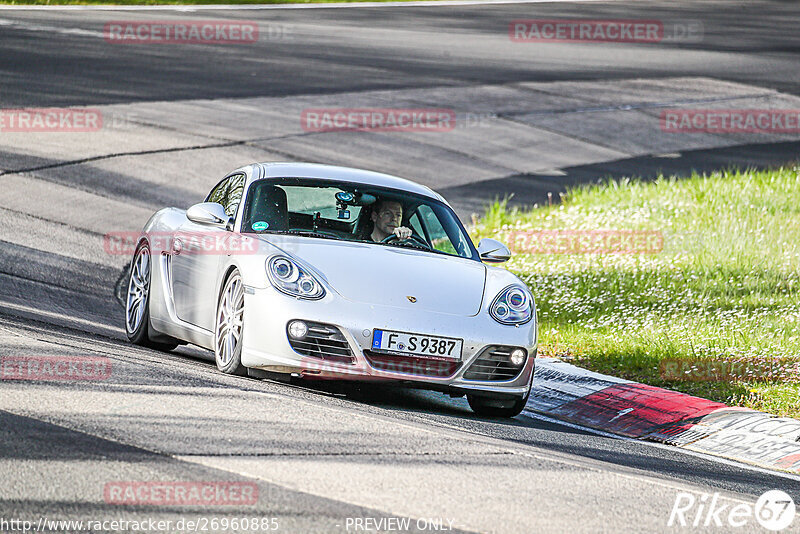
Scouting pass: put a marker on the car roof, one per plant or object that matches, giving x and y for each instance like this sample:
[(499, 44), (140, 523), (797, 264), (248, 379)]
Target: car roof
[(344, 174)]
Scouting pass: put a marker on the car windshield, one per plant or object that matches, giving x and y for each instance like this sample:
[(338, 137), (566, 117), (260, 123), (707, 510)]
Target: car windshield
[(354, 212)]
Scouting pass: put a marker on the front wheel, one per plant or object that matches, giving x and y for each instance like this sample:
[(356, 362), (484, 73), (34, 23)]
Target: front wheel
[(137, 302), (489, 407), (229, 327)]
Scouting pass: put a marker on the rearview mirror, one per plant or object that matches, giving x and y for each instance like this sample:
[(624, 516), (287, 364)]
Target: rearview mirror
[(493, 251), (209, 213)]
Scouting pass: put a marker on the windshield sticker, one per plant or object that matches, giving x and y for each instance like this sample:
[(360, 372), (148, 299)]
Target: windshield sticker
[(258, 226)]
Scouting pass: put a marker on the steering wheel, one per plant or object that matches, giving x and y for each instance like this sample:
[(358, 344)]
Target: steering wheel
[(415, 238)]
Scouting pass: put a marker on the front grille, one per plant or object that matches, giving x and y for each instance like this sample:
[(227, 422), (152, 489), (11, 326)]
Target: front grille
[(494, 365), (411, 365), (325, 342)]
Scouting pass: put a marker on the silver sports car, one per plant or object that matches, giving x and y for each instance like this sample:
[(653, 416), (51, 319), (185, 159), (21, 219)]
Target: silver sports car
[(330, 272)]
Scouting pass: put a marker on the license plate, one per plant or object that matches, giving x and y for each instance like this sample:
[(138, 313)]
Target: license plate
[(444, 348)]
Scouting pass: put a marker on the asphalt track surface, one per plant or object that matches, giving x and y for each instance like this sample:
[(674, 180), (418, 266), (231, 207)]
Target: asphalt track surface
[(321, 453)]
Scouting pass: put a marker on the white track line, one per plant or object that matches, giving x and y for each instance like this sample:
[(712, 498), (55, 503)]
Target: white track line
[(254, 7), (717, 459)]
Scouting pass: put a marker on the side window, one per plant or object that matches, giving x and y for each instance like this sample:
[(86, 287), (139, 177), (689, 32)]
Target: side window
[(415, 224), (438, 236), (228, 193), (234, 194), (218, 193)]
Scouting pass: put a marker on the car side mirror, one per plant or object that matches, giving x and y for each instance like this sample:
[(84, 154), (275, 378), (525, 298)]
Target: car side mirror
[(493, 251), (209, 213)]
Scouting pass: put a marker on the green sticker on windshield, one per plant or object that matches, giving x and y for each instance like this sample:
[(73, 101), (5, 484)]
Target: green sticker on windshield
[(258, 226)]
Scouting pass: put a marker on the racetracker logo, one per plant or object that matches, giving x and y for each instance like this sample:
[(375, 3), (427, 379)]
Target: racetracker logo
[(586, 241), (731, 121), (181, 243), (48, 368), (181, 32), (181, 493), (50, 120), (744, 369), (378, 120), (604, 31), (382, 362)]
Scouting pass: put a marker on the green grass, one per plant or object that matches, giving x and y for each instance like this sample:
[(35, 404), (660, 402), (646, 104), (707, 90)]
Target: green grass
[(725, 287)]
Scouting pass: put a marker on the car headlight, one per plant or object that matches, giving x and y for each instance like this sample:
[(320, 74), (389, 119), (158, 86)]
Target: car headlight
[(292, 279), (512, 306)]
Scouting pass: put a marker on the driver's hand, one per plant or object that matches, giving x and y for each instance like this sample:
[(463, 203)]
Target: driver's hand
[(402, 232)]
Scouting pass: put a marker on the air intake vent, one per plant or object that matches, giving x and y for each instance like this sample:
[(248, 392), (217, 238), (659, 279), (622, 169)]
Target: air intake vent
[(325, 342), (411, 365), (494, 365)]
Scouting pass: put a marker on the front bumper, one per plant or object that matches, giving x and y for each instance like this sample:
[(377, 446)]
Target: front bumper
[(266, 344)]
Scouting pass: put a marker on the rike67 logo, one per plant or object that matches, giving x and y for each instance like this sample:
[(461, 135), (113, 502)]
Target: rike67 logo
[(774, 510)]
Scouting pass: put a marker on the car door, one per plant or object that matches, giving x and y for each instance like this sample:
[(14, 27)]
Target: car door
[(196, 257)]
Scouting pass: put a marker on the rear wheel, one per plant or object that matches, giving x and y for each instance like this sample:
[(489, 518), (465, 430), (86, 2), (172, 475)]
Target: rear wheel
[(229, 327), (489, 407), (137, 302)]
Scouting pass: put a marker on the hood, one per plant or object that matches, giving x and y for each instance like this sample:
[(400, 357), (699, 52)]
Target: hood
[(387, 275)]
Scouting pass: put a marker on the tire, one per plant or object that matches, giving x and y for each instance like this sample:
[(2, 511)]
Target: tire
[(229, 326), (489, 407), (137, 302)]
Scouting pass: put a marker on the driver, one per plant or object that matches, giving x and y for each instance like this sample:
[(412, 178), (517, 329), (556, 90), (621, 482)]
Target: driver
[(386, 217)]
